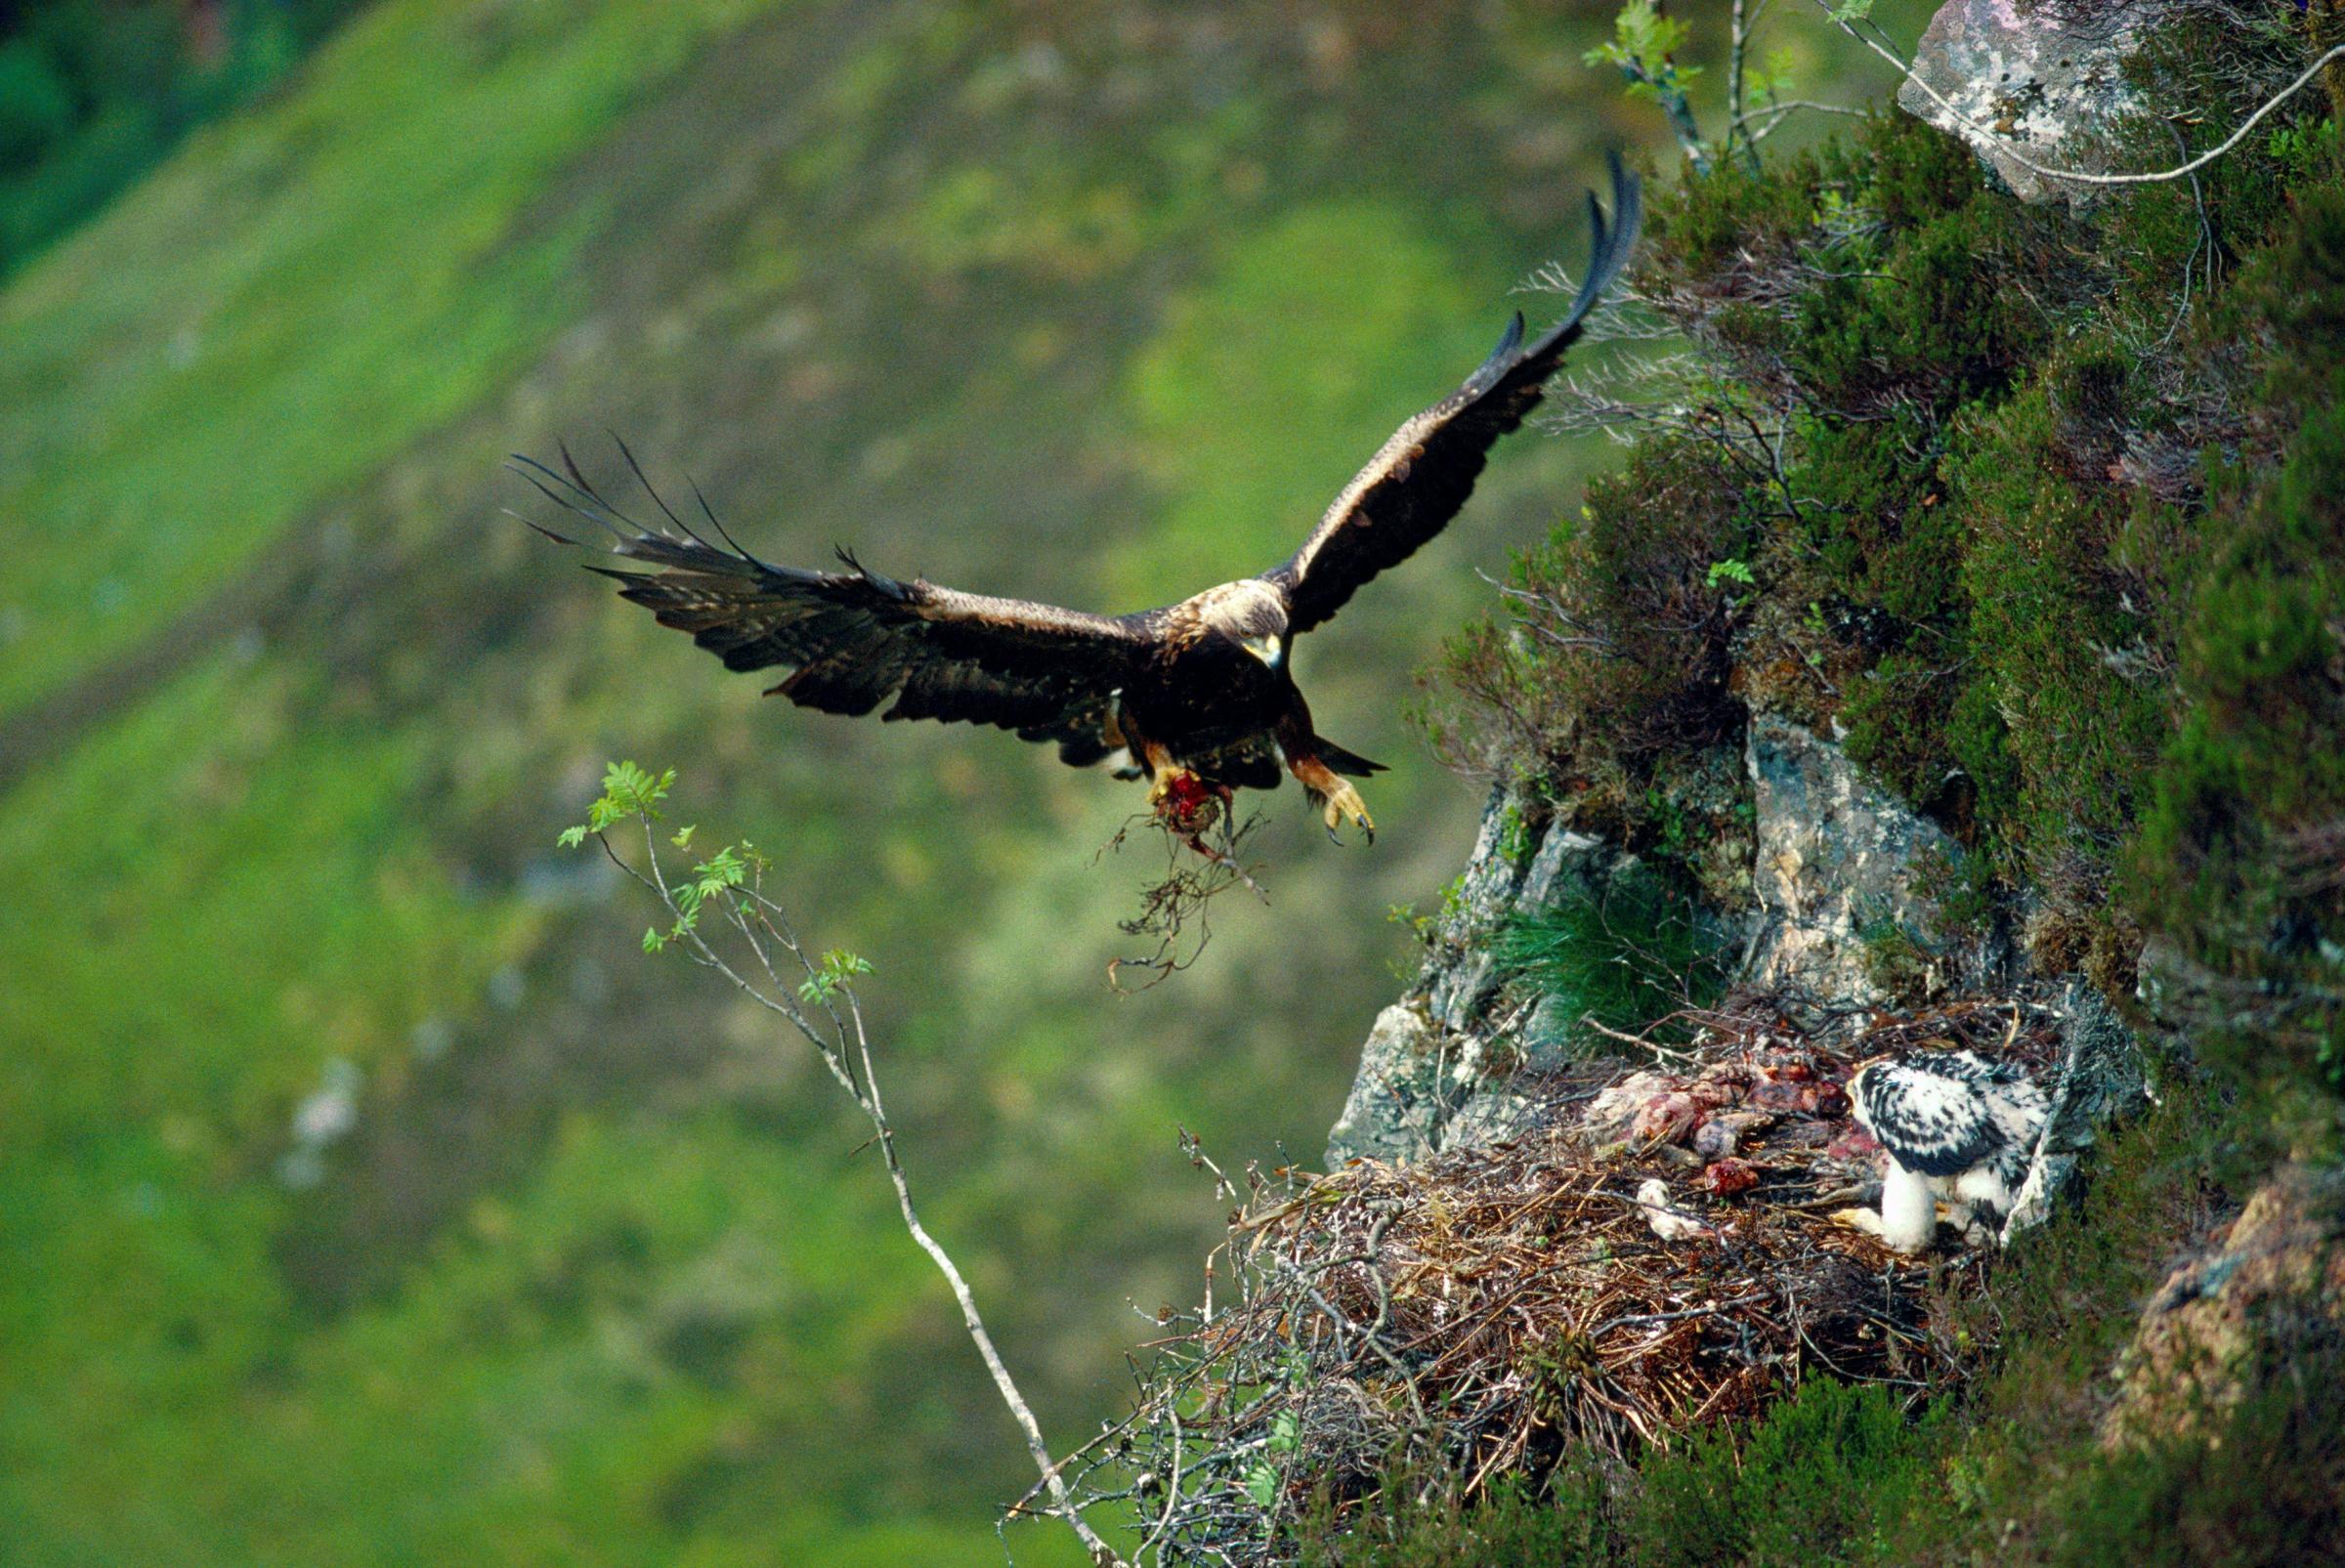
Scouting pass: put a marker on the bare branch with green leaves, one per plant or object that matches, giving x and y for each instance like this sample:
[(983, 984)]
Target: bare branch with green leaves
[(719, 917), (1642, 49)]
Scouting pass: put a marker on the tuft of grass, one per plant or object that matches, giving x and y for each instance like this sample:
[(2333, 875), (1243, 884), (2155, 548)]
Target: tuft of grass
[(1823, 1477), (1627, 955)]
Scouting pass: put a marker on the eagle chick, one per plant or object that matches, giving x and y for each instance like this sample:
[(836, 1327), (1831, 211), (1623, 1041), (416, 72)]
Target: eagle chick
[(1956, 1127)]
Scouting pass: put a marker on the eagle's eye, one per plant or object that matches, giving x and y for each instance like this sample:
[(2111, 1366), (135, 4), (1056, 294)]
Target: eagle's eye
[(1268, 648)]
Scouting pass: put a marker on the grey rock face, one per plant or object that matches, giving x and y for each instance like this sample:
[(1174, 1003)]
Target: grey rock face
[(1494, 874), (1566, 859), (2040, 75), (1836, 856), (1396, 1108), (1425, 1081), (2099, 1079)]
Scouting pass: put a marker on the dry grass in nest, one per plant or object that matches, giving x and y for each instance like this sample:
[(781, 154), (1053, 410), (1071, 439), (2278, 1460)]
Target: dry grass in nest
[(1487, 1309)]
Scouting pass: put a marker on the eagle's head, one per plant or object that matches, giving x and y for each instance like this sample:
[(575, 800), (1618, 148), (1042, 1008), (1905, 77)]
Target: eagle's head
[(1250, 614)]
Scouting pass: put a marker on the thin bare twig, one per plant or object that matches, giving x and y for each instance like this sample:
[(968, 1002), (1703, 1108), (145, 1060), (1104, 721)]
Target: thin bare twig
[(843, 1050)]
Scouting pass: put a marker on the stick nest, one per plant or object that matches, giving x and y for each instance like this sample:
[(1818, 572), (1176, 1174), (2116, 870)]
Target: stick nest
[(1489, 1309)]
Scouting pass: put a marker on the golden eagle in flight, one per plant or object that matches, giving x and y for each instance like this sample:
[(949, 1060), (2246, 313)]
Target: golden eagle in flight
[(1197, 696)]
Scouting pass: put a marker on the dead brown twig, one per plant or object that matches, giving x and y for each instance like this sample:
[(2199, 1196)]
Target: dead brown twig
[(1176, 907)]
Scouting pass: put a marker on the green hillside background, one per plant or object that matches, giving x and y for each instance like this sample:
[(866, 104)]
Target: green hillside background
[(1089, 301)]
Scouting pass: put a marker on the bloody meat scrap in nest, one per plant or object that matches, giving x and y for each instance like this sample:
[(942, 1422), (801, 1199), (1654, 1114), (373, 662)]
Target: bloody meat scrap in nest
[(1722, 1108), (1725, 1178)]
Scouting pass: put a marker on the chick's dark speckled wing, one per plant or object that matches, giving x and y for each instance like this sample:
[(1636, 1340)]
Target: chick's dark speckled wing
[(854, 639), (1421, 478), (1931, 1113)]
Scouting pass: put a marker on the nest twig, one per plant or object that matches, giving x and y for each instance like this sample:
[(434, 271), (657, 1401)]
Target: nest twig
[(1174, 910)]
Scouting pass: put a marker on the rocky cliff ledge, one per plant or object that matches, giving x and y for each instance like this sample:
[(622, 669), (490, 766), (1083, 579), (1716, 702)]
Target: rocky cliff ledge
[(1843, 942)]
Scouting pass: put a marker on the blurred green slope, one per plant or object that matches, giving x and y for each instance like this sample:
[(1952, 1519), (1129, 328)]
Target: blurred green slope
[(1092, 303)]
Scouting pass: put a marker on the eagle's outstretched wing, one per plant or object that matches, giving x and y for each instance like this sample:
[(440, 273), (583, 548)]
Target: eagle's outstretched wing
[(1419, 478), (854, 639)]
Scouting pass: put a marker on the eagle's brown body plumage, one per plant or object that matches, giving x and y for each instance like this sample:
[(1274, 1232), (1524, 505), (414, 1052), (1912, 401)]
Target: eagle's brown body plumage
[(1199, 688)]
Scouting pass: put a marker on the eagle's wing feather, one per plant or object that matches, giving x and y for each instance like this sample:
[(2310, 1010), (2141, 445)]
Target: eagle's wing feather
[(1418, 480), (1931, 1113), (853, 639)]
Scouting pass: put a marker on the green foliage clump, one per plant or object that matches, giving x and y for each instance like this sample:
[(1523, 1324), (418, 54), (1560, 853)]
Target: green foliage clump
[(1612, 657), (1419, 1521), (1823, 1477), (2238, 856), (2061, 661), (1627, 955), (2040, 511)]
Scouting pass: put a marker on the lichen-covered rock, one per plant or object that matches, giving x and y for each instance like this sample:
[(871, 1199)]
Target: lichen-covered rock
[(1564, 858), (1397, 1106), (1494, 874), (2267, 1298), (1430, 1078), (2042, 75), (1840, 862)]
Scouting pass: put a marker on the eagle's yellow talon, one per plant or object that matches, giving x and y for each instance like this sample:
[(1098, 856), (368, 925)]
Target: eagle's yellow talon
[(1342, 801)]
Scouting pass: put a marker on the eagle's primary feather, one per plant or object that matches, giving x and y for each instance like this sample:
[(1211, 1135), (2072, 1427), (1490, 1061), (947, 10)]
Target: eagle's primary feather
[(1201, 686), (1420, 479)]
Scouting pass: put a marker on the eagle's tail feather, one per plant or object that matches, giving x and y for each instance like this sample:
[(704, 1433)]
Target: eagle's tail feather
[(1342, 761)]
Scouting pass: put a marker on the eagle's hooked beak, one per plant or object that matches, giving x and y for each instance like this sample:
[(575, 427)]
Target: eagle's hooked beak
[(1269, 650)]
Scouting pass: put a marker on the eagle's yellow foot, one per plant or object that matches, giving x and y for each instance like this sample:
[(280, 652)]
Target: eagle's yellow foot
[(1333, 795), (1170, 782), (1342, 801), (1184, 802)]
